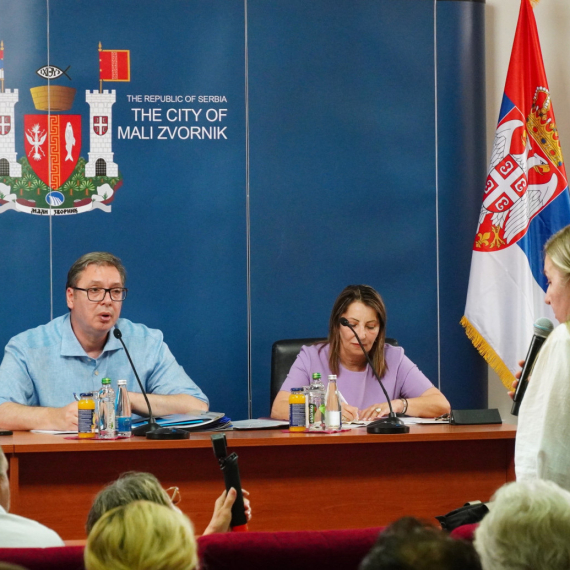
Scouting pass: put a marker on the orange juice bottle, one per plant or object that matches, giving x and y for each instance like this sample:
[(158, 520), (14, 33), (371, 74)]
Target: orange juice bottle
[(297, 410), (85, 416)]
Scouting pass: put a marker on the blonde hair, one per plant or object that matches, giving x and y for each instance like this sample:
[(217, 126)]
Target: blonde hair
[(141, 536), (558, 249)]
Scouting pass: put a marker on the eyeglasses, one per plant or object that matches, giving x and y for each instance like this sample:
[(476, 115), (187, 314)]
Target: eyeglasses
[(97, 294), (174, 495)]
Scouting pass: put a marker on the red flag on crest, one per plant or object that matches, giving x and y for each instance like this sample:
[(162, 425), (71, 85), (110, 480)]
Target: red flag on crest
[(114, 65)]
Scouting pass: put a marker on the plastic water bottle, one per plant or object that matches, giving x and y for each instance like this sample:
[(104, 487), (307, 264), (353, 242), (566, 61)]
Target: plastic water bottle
[(107, 428), (123, 410), (333, 416), (316, 415)]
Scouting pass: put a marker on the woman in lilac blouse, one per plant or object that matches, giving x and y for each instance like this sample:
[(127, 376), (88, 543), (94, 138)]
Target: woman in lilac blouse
[(409, 390)]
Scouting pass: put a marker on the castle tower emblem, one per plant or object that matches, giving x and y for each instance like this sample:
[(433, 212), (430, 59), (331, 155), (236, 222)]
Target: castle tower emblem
[(8, 99), (8, 156), (100, 161)]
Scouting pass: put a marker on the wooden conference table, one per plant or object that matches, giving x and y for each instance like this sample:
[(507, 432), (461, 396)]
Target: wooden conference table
[(296, 481)]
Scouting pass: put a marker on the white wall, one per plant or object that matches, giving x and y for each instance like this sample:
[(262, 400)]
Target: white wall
[(553, 22)]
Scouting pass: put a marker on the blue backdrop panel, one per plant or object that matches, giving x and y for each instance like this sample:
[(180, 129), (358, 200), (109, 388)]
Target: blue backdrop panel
[(343, 179), (342, 169), (25, 239), (178, 220), (462, 171)]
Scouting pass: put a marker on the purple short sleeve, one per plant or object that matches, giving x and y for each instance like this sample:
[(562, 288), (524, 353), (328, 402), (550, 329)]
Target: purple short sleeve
[(361, 389), (308, 361)]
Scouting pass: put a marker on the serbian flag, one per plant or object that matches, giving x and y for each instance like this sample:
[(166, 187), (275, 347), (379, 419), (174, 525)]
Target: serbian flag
[(525, 201), (114, 65), (2, 60)]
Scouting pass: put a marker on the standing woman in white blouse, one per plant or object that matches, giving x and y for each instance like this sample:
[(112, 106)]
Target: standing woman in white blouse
[(543, 435)]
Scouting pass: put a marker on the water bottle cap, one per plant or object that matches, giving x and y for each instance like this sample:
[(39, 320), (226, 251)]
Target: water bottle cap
[(316, 375), (297, 389), (332, 377), (121, 382), (86, 395), (106, 381)]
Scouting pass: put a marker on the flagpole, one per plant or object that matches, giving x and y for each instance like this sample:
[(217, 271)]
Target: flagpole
[(2, 50), (100, 80)]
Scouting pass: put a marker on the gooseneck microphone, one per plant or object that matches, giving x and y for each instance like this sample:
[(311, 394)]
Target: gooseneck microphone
[(391, 423), (542, 328), (151, 429)]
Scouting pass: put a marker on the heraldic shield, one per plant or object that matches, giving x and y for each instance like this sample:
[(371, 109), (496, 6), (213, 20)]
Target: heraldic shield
[(53, 145), (5, 124)]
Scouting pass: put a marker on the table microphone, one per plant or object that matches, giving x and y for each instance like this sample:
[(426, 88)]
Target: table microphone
[(542, 328), (151, 429), (390, 424)]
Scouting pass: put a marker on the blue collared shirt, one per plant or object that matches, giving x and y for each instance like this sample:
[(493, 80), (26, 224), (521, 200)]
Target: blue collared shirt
[(46, 365)]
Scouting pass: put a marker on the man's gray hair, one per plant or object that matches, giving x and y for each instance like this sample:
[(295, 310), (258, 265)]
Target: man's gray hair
[(527, 528), (94, 258)]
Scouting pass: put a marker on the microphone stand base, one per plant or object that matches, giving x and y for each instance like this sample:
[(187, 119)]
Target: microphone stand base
[(151, 430), (165, 433), (151, 425), (387, 425)]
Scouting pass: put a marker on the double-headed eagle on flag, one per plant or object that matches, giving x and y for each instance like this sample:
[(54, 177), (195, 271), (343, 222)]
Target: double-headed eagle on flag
[(526, 173)]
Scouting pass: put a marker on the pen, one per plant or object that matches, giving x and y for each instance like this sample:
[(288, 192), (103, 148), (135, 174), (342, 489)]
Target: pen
[(343, 400)]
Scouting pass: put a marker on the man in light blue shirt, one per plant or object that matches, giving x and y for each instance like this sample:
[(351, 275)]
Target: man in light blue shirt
[(43, 367)]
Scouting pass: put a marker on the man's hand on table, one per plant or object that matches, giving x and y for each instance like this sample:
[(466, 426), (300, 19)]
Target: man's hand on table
[(65, 418)]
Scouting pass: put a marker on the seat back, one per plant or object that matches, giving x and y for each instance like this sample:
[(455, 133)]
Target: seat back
[(284, 353), (303, 550), (465, 532), (52, 558)]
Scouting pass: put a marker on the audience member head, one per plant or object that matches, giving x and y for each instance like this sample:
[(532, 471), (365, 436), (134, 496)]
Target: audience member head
[(129, 487), (409, 544), (4, 483), (371, 298), (141, 536), (527, 528)]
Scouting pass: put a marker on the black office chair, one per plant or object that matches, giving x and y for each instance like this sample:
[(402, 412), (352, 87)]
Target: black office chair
[(284, 353)]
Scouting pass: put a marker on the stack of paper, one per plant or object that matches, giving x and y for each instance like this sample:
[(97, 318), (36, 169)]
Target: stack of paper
[(198, 421)]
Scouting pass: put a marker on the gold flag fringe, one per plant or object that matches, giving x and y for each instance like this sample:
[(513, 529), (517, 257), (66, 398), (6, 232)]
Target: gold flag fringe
[(533, 3), (487, 352)]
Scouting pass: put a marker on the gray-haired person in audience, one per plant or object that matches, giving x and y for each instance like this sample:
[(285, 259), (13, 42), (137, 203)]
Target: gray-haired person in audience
[(137, 486), (528, 528)]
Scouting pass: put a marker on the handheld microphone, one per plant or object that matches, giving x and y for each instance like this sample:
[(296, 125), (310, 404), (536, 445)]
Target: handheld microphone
[(542, 328), (151, 429), (390, 424), (230, 469)]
